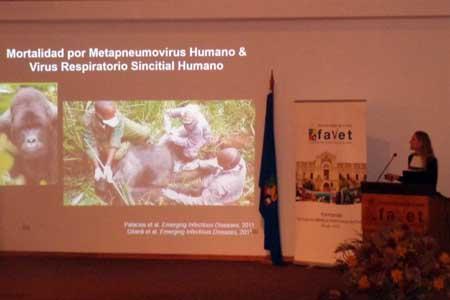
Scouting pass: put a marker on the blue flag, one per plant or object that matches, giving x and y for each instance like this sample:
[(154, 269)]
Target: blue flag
[(268, 203)]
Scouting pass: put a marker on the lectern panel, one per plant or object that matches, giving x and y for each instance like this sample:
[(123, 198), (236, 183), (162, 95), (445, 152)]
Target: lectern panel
[(379, 210)]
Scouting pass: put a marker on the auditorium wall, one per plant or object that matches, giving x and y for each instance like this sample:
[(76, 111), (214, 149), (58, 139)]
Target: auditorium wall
[(394, 55)]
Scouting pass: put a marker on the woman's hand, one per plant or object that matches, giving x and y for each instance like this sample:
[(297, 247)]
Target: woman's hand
[(391, 177)]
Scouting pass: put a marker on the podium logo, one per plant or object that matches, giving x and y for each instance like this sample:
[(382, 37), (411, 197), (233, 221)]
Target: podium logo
[(317, 135)]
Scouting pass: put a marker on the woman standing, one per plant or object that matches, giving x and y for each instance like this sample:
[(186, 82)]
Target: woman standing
[(422, 164)]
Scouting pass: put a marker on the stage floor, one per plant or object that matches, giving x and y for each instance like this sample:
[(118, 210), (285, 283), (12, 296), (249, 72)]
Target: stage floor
[(75, 278), (61, 278)]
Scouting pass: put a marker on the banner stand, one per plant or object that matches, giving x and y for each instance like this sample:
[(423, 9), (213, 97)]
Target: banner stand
[(331, 163)]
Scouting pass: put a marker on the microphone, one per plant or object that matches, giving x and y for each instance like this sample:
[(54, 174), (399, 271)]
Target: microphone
[(387, 165)]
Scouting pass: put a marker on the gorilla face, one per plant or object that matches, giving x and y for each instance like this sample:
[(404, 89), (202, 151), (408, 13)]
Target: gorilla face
[(31, 142), (31, 125), (29, 132)]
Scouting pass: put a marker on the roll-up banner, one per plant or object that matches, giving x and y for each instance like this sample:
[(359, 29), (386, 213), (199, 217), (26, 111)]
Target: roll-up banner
[(331, 163)]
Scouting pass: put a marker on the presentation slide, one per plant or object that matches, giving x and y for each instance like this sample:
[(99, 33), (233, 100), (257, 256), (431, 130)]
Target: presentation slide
[(119, 143)]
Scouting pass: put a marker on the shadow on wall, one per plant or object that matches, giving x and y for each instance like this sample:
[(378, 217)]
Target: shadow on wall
[(378, 155)]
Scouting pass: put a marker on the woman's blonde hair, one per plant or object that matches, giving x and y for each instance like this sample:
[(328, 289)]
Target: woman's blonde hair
[(426, 149)]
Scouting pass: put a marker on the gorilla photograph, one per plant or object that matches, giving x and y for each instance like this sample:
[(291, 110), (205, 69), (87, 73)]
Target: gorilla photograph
[(159, 152), (28, 134)]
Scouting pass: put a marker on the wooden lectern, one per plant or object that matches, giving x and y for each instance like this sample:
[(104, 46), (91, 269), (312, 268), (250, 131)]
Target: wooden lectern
[(413, 204)]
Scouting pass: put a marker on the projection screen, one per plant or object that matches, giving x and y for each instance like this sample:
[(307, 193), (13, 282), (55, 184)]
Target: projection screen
[(185, 126)]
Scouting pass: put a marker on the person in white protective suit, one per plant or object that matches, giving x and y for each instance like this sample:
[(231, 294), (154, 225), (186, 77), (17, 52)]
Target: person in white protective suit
[(223, 186), (187, 140)]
